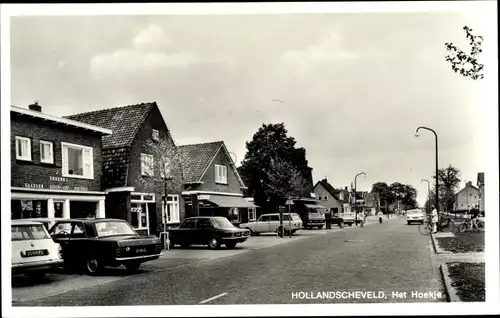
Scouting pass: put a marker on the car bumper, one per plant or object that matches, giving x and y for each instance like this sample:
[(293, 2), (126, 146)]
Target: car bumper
[(415, 220), (234, 239), (36, 266), (143, 258), (315, 223)]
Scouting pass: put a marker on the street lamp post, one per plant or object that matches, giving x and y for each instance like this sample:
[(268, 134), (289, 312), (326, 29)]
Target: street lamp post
[(428, 193), (355, 200), (437, 169)]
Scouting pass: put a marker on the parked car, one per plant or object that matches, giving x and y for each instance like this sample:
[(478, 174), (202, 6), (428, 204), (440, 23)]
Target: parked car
[(415, 216), (91, 244), (270, 223), (210, 230), (34, 253), (312, 219), (348, 218)]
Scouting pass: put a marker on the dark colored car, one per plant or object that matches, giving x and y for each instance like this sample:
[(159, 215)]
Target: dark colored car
[(91, 244), (210, 230)]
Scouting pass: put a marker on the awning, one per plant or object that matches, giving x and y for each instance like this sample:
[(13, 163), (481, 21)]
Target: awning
[(230, 201), (314, 206)]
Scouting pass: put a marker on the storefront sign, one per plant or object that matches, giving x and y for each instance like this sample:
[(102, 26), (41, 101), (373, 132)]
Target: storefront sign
[(203, 197), (60, 179), (53, 187), (137, 209)]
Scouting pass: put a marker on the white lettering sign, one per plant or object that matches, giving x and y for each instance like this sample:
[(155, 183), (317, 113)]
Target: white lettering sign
[(33, 186), (61, 179)]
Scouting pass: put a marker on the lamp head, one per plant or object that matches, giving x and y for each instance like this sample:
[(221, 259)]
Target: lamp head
[(417, 134)]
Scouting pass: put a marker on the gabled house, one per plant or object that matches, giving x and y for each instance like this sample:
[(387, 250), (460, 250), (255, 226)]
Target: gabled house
[(467, 198), (55, 166), (212, 184), (480, 185), (129, 194), (328, 196)]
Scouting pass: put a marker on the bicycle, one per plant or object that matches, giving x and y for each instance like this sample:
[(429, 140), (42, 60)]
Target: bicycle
[(466, 226), (426, 227)]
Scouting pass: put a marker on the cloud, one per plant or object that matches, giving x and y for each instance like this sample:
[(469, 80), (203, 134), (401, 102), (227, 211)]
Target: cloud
[(151, 51)]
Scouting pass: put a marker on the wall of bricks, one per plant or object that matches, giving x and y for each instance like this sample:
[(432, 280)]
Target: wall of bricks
[(34, 172)]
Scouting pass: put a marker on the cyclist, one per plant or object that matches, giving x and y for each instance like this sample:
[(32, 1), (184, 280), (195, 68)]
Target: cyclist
[(380, 215), (474, 218), (362, 218)]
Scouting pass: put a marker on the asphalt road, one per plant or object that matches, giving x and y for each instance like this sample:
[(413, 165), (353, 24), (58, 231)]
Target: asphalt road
[(385, 259)]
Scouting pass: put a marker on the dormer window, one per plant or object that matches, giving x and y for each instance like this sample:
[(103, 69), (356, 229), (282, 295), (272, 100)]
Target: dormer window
[(156, 135)]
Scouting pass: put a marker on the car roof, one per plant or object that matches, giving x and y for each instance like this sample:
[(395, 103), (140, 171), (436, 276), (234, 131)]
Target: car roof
[(205, 217), (284, 213), (91, 220), (25, 222)]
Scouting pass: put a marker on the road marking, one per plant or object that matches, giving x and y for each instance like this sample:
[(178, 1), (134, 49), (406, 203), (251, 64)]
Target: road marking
[(212, 298)]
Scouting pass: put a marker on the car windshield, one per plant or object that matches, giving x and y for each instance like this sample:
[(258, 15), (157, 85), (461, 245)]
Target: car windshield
[(414, 212), (222, 223), (315, 215), (29, 232), (112, 228)]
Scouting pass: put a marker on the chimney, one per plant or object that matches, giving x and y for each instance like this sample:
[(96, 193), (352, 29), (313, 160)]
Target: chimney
[(35, 107), (469, 183)]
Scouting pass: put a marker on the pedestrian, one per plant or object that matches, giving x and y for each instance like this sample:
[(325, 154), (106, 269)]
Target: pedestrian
[(474, 218), (380, 216), (434, 219), (362, 217)]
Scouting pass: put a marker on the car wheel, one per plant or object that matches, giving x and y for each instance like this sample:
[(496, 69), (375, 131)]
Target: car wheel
[(230, 244), (132, 266), (35, 275), (92, 266), (214, 243), (252, 233), (350, 224), (320, 227), (278, 231), (409, 222), (185, 245)]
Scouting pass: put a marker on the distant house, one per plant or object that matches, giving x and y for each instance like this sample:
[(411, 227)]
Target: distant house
[(125, 172), (480, 185), (213, 186), (328, 196), (467, 198), (372, 203)]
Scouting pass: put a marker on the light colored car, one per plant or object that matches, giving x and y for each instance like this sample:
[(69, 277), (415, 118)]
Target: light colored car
[(270, 223), (34, 253), (415, 216)]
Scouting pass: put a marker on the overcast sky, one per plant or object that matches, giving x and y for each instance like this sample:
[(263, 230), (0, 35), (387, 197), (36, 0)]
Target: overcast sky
[(354, 87)]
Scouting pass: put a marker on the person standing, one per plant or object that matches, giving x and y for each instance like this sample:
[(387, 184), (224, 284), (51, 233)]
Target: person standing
[(434, 219), (362, 217)]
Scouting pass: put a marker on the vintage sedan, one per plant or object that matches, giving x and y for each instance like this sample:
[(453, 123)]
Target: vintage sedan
[(270, 223), (210, 230), (415, 216), (91, 244), (33, 251)]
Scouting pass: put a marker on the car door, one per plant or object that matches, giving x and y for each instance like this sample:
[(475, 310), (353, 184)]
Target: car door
[(186, 233), (60, 233), (78, 241), (262, 225), (204, 231), (274, 223)]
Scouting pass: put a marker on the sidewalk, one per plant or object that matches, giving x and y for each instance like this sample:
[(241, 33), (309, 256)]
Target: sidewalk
[(446, 258)]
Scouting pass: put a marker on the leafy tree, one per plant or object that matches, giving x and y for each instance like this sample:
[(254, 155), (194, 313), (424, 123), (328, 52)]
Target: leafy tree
[(448, 184), (385, 193), (163, 169), (466, 63), (389, 194), (284, 182), (270, 142)]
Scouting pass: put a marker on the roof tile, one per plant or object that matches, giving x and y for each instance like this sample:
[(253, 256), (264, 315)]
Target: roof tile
[(195, 159)]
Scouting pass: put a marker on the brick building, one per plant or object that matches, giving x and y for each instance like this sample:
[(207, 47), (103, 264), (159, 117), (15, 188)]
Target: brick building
[(212, 184), (129, 195), (55, 166)]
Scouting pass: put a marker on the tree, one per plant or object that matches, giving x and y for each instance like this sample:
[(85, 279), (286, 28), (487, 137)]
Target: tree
[(284, 182), (448, 183), (385, 193), (270, 142), (163, 170), (466, 64), (405, 194)]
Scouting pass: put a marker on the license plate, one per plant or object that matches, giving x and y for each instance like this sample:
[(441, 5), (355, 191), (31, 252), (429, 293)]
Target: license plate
[(141, 250), (36, 253)]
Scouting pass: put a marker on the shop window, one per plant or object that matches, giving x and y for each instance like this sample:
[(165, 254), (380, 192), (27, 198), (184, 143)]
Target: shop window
[(147, 162), (23, 148), (139, 212), (251, 214), (77, 161), (173, 211), (220, 174), (28, 209), (46, 152)]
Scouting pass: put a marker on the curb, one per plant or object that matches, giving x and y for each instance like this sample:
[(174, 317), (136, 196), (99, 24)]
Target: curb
[(451, 293), (437, 249)]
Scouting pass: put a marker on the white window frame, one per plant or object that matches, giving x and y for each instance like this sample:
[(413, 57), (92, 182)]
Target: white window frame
[(142, 200), (220, 174), (252, 214), (145, 158), (173, 202), (88, 167), (50, 158), (167, 167), (155, 135), (26, 157)]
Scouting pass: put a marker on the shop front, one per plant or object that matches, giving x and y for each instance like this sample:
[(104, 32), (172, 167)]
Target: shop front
[(63, 204), (234, 207)]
